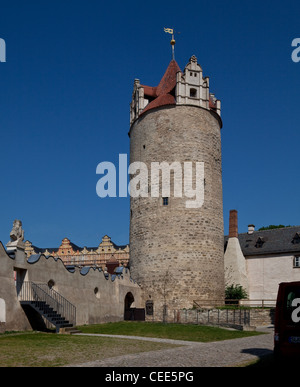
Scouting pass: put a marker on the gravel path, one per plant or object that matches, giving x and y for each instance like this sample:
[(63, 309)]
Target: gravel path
[(193, 354)]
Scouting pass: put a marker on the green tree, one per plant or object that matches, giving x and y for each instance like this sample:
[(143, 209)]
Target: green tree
[(272, 226), (235, 292)]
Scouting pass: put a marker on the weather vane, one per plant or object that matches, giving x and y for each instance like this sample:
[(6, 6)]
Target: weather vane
[(171, 31)]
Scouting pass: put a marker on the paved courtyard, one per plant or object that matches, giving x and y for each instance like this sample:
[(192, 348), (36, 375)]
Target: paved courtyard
[(194, 354)]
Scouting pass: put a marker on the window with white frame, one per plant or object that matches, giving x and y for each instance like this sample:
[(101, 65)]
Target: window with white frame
[(297, 261)]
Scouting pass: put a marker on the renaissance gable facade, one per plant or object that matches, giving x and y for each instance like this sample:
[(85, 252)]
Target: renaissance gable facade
[(105, 255)]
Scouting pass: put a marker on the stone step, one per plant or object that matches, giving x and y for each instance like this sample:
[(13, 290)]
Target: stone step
[(69, 330)]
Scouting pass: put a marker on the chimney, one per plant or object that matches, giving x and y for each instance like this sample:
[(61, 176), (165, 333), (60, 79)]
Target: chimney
[(233, 224), (251, 228)]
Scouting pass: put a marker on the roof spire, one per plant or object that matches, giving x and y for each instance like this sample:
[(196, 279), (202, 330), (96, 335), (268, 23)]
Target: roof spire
[(171, 31)]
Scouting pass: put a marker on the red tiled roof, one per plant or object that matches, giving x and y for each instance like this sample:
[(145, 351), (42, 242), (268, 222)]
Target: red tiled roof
[(161, 93), (161, 100), (168, 81), (149, 91)]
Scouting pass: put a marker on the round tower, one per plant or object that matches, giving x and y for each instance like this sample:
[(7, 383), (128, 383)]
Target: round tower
[(176, 206)]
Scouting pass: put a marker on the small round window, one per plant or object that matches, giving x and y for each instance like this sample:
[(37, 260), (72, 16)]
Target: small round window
[(97, 293), (51, 283)]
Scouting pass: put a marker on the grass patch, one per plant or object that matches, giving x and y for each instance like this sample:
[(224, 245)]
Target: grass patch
[(167, 331), (34, 349)]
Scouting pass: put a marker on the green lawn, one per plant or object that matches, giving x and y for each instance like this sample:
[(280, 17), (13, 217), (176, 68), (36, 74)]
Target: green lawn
[(167, 331), (35, 349)]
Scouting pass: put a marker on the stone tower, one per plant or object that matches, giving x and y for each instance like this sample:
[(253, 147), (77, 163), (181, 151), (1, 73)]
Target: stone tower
[(177, 249)]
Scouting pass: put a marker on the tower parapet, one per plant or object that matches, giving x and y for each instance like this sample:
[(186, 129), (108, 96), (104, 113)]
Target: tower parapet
[(175, 88), (193, 89)]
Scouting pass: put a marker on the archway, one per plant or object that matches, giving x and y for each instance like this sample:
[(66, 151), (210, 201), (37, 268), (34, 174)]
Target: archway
[(130, 310), (129, 300)]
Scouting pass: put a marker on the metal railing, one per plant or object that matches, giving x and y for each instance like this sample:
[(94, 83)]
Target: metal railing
[(265, 303), (41, 293), (255, 303), (225, 317)]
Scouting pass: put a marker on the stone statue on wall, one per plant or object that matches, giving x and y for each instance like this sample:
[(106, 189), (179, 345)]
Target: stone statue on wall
[(17, 233), (16, 236)]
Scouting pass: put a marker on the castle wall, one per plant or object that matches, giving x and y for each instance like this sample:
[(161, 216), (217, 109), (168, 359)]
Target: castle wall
[(96, 298), (177, 253), (15, 318)]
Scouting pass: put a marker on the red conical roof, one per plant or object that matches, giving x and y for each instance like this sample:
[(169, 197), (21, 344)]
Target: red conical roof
[(168, 81), (162, 93)]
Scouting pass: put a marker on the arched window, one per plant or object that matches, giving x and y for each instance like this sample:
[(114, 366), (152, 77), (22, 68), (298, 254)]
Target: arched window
[(128, 303), (97, 293), (129, 300), (51, 283)]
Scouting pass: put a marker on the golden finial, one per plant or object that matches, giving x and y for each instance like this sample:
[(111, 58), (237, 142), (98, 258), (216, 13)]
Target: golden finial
[(171, 31)]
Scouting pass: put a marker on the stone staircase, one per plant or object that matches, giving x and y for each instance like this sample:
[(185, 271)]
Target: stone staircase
[(49, 313), (49, 304)]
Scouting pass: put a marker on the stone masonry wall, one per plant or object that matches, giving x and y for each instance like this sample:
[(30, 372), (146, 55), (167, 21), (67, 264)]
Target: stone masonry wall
[(2, 327), (177, 253), (236, 318)]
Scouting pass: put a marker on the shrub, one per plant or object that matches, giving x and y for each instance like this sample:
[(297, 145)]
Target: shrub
[(235, 292)]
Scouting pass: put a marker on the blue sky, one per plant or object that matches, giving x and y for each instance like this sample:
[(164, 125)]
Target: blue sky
[(64, 102)]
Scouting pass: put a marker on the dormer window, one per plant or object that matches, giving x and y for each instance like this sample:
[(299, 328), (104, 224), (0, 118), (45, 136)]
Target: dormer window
[(296, 238), (259, 243), (193, 93)]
